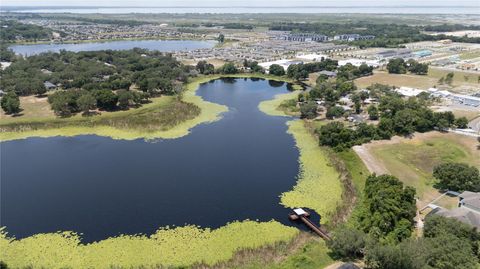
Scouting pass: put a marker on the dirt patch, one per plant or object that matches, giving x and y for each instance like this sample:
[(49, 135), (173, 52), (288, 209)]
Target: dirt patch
[(373, 165)]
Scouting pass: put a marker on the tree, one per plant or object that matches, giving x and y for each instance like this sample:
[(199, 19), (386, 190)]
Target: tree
[(372, 112), (229, 68), (449, 78), (86, 102), (308, 110), (335, 112), (106, 99), (124, 98), (450, 252), (365, 70), (10, 103), (221, 38), (64, 103), (396, 66), (388, 206), (347, 243), (404, 121), (205, 68), (457, 177), (461, 122), (276, 70), (334, 134)]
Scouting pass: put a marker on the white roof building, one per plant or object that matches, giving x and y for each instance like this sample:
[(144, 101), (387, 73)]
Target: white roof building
[(406, 91), (358, 62), (312, 57)]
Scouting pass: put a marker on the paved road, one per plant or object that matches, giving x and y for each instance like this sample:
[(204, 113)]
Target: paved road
[(475, 124)]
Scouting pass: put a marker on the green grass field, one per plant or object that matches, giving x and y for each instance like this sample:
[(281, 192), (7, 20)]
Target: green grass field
[(416, 81), (412, 161)]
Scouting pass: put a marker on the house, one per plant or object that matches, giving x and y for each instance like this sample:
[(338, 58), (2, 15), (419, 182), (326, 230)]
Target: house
[(352, 37), (423, 53), (468, 210), (470, 200), (49, 86), (305, 37), (330, 74), (408, 92), (461, 214)]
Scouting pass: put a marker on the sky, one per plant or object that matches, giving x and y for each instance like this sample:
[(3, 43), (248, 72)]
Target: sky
[(229, 3)]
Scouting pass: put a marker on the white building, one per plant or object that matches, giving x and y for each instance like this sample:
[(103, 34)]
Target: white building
[(408, 92), (358, 62)]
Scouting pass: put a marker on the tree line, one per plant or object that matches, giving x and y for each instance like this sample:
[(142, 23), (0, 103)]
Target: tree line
[(105, 75), (14, 30), (400, 66)]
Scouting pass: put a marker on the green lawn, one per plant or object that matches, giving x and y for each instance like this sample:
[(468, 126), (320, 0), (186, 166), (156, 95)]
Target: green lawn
[(412, 161)]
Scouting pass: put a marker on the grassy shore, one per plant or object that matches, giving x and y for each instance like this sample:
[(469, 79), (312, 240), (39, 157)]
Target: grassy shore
[(187, 246), (318, 186), (166, 117), (183, 246)]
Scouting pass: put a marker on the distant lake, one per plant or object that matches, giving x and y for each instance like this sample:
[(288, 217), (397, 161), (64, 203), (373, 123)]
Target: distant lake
[(160, 45), (232, 169), (387, 9)]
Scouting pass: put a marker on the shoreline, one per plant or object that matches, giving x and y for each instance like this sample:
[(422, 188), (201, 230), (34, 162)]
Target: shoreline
[(249, 234), (47, 42), (209, 112)]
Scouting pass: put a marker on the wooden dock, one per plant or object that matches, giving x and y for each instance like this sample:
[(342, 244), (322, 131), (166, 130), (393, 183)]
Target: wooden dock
[(301, 214)]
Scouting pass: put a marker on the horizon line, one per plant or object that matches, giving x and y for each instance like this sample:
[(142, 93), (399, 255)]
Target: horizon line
[(241, 6)]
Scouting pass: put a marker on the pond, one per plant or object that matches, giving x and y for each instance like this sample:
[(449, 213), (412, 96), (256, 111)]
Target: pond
[(160, 45), (232, 169)]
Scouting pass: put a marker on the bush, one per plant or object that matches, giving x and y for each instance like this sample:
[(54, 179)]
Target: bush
[(347, 243)]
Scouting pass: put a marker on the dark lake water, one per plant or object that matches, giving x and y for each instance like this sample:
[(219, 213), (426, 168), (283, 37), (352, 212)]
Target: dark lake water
[(160, 45), (232, 169)]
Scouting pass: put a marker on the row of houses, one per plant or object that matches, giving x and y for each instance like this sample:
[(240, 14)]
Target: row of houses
[(312, 37), (467, 100)]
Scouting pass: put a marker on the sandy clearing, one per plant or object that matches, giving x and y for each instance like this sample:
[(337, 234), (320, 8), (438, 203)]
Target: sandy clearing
[(373, 165)]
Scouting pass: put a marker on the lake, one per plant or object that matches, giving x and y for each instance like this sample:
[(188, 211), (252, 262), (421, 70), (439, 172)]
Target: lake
[(232, 169), (160, 45)]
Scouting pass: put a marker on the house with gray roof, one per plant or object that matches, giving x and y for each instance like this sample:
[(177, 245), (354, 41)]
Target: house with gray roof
[(461, 214), (468, 210), (49, 86), (470, 200)]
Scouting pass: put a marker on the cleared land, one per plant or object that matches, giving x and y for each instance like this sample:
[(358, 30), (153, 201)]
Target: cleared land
[(398, 80), (460, 80), (412, 159)]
